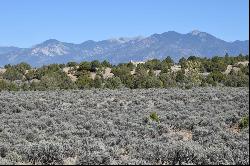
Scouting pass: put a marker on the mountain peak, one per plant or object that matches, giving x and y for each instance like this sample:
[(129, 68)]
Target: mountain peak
[(46, 43), (200, 34), (172, 32), (51, 41), (195, 32), (125, 39), (51, 47)]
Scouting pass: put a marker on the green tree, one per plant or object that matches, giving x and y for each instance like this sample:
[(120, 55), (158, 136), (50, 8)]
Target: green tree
[(12, 74), (192, 73), (84, 82), (151, 72), (7, 66), (22, 67), (180, 76), (192, 58), (53, 68), (131, 66), (95, 65), (215, 77), (140, 77), (106, 64), (245, 69), (168, 60), (153, 82), (113, 83), (165, 67), (167, 79), (49, 69), (183, 62), (237, 79), (71, 64), (124, 73), (62, 66), (84, 66), (218, 64), (56, 80), (97, 82), (154, 64), (227, 59)]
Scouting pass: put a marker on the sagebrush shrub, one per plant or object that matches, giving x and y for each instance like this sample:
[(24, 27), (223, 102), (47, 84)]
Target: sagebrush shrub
[(90, 126), (94, 159), (45, 153), (3, 150)]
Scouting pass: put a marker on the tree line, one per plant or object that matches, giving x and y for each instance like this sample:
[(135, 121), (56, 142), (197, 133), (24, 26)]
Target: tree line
[(155, 73)]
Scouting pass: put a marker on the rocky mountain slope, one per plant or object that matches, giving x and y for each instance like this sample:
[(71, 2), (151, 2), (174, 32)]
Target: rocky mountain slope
[(121, 50)]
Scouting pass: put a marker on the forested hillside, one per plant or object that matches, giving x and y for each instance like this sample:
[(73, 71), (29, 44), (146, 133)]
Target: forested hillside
[(188, 73)]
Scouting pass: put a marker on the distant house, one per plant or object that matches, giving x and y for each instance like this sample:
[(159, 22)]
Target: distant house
[(136, 63)]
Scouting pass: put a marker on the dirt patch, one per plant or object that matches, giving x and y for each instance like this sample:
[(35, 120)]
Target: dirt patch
[(234, 68), (234, 129), (70, 161), (245, 63), (176, 68), (70, 73), (107, 73), (92, 75), (2, 71), (186, 135), (157, 72)]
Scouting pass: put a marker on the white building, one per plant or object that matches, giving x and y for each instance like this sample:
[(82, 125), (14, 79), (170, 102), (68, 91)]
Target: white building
[(136, 63)]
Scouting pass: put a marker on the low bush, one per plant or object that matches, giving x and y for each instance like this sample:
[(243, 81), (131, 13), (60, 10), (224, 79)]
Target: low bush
[(244, 122), (45, 153), (154, 117)]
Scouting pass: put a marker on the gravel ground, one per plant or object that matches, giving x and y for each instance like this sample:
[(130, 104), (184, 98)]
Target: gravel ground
[(197, 126)]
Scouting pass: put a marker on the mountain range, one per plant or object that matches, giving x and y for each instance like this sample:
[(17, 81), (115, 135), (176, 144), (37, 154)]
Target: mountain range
[(121, 50)]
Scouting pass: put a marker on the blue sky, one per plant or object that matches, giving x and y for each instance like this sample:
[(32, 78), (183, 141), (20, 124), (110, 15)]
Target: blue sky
[(24, 23)]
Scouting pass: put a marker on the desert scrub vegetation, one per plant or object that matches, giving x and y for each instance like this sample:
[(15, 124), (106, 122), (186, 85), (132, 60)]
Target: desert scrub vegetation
[(197, 126), (229, 71)]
